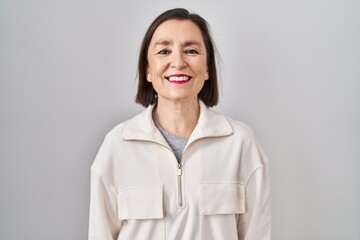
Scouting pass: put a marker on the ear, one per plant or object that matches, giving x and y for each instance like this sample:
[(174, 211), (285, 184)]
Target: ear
[(148, 75), (206, 76)]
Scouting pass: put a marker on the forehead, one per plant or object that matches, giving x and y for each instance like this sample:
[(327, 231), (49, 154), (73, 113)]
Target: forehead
[(177, 30)]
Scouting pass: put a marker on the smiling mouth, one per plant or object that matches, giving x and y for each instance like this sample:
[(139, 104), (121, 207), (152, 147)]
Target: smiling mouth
[(178, 79)]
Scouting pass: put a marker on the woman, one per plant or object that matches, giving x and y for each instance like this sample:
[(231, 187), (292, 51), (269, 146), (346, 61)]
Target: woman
[(179, 170)]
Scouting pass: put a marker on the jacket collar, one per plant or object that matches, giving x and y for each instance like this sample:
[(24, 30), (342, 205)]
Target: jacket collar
[(210, 124)]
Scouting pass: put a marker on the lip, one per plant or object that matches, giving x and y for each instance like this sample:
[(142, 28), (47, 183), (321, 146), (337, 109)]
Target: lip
[(178, 78)]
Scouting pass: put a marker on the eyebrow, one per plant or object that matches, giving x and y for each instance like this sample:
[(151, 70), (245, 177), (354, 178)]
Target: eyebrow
[(163, 42), (170, 42), (191, 42)]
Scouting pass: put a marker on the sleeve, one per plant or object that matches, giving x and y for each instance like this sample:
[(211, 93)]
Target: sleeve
[(104, 223), (255, 223)]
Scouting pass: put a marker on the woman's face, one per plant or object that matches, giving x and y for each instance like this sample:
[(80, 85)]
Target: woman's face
[(177, 64)]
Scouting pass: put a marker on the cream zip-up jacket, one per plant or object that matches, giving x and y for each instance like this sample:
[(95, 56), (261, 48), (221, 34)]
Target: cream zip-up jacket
[(220, 191)]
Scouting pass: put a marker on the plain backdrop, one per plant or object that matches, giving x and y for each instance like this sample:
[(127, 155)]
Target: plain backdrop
[(289, 69)]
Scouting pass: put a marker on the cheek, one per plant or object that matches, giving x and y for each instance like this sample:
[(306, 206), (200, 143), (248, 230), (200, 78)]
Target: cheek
[(201, 68), (201, 64), (157, 68)]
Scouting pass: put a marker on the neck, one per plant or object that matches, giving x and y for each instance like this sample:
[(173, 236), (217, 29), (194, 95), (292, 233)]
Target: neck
[(177, 118)]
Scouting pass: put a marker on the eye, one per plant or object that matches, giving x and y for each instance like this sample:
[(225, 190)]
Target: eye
[(191, 51), (164, 52)]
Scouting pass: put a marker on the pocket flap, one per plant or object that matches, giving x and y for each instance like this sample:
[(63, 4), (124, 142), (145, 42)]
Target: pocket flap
[(141, 203), (222, 198)]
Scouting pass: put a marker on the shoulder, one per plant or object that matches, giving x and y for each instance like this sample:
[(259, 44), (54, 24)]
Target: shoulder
[(244, 141), (240, 128), (249, 143), (140, 122), (113, 144), (243, 134)]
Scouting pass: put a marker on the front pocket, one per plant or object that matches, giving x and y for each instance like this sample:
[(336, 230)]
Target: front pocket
[(222, 198), (140, 203)]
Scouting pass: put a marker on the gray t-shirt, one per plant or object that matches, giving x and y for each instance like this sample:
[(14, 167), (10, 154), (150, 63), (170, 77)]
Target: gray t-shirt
[(177, 144)]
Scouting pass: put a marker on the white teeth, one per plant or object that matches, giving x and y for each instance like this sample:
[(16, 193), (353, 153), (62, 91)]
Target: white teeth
[(180, 78)]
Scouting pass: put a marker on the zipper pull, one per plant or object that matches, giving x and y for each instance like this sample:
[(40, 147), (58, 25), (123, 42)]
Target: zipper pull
[(180, 194), (179, 172)]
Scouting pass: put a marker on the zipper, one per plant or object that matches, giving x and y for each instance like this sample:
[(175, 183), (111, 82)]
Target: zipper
[(180, 194)]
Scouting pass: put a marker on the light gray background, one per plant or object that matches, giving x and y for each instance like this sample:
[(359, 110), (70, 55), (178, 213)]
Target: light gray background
[(290, 70)]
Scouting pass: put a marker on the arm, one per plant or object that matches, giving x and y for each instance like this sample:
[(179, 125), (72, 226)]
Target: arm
[(255, 223), (103, 220)]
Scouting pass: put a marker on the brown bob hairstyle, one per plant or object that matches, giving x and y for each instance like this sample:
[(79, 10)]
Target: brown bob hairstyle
[(209, 94)]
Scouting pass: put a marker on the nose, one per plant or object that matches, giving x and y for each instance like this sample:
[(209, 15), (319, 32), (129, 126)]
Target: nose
[(178, 61)]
